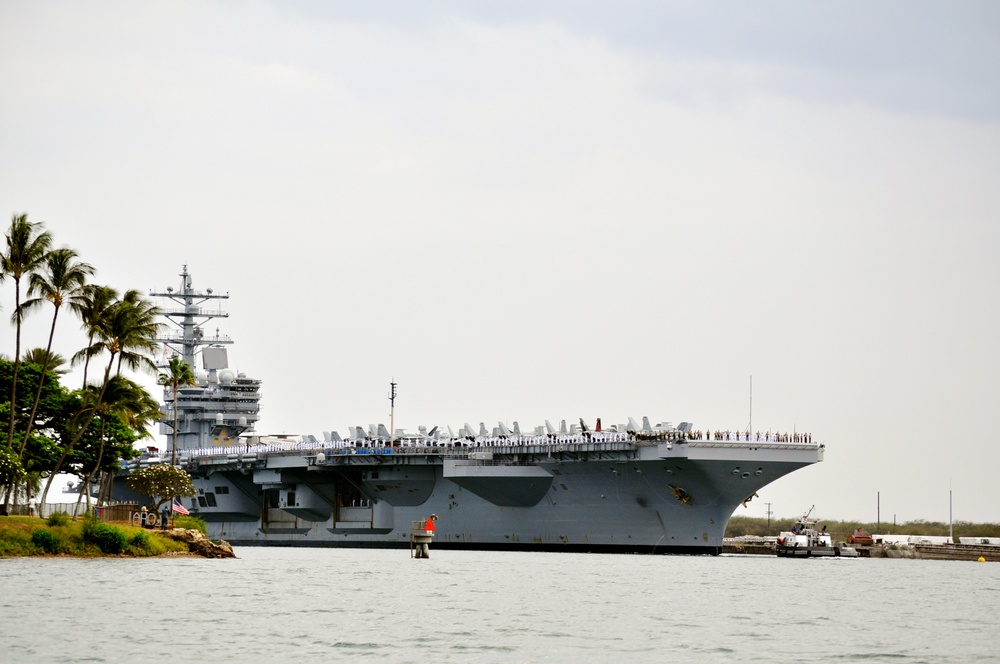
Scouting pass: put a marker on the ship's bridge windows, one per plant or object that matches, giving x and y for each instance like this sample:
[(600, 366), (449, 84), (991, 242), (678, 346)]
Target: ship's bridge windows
[(221, 490), (210, 498), (202, 502)]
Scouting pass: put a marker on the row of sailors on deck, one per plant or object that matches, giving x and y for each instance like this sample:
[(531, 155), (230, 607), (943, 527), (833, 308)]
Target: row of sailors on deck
[(517, 441), (767, 437), (569, 439), (489, 441), (739, 436)]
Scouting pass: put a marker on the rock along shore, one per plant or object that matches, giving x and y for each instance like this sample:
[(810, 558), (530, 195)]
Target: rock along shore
[(199, 544)]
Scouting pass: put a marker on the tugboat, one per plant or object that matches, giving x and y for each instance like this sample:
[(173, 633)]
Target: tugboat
[(805, 541)]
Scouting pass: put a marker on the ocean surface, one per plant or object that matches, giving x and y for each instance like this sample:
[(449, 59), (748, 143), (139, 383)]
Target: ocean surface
[(323, 605)]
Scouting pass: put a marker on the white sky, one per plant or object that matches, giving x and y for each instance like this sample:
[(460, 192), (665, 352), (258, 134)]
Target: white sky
[(529, 211)]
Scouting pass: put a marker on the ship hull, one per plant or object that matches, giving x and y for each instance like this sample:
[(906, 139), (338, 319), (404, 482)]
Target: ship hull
[(634, 496)]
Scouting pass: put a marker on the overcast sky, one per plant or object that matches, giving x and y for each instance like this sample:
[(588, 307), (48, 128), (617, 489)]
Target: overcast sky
[(528, 211)]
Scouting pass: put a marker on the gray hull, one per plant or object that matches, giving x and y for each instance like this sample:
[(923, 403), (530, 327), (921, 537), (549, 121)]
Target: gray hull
[(634, 496)]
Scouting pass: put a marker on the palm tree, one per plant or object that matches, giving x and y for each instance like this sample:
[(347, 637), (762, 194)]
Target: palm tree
[(53, 361), (134, 322), (61, 281), (178, 373), (27, 245), (127, 329), (128, 401), (92, 307)]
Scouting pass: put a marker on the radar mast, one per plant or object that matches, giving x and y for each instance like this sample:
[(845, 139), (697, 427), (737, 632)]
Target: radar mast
[(190, 318)]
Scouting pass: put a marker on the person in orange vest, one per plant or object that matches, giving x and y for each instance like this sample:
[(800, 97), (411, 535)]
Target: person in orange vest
[(430, 522)]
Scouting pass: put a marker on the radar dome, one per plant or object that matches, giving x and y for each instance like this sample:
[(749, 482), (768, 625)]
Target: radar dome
[(226, 376)]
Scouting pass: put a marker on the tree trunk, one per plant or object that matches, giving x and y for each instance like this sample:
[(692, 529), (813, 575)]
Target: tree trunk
[(173, 452), (105, 484), (41, 382), (13, 382), (17, 361), (86, 362), (79, 435), (90, 476)]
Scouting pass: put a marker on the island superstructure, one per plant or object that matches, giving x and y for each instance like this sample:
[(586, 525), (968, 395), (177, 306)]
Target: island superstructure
[(631, 487), (223, 404)]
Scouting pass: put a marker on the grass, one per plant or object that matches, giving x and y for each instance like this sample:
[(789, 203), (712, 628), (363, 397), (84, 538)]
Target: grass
[(190, 522), (31, 536)]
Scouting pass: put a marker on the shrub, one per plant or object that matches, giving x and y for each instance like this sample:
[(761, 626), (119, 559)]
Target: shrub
[(45, 541), (107, 538), (15, 542), (57, 519), (140, 541), (110, 540)]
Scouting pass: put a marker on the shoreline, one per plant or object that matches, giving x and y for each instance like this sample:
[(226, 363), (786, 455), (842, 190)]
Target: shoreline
[(960, 552), (34, 537)]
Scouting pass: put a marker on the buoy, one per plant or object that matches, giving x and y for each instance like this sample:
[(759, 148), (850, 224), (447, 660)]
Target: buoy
[(981, 559), (421, 534)]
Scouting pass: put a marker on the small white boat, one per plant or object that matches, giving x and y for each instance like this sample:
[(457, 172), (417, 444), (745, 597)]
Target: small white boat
[(806, 540)]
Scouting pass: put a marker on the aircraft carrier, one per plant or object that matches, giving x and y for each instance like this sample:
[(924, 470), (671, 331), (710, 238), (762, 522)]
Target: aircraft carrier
[(632, 487)]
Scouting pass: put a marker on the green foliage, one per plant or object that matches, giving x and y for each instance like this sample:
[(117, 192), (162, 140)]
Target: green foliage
[(16, 542), (45, 540), (162, 482), (11, 470), (841, 530), (190, 522), (18, 538), (50, 406), (156, 545), (107, 538), (57, 519), (139, 540), (61, 414)]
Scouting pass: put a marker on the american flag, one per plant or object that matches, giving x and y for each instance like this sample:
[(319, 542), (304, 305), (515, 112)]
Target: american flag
[(178, 508)]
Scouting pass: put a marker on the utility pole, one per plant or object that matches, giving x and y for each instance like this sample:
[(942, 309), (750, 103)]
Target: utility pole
[(768, 516), (951, 531)]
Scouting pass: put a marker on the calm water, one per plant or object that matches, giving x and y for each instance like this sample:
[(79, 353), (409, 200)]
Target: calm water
[(313, 605)]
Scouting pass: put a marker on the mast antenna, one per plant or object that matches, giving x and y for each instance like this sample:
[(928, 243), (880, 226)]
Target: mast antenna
[(392, 412)]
